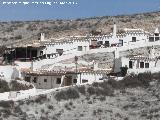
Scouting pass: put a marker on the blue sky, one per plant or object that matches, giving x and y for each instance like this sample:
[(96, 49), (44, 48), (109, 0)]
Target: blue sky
[(84, 8)]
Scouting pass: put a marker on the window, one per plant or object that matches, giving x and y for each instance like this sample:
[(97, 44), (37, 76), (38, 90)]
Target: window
[(58, 81), (59, 51), (100, 42), (156, 34), (133, 39), (130, 64), (157, 38), (41, 53), (84, 81), (151, 39), (146, 65), (74, 80), (106, 44), (79, 48), (141, 64), (35, 79), (45, 80)]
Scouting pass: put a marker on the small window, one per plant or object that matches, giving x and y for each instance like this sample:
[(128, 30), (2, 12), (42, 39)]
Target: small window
[(141, 64), (45, 80), (84, 81), (156, 34), (74, 80), (41, 52), (35, 79), (100, 42), (146, 65), (133, 39), (157, 38), (151, 39), (58, 81), (79, 48), (130, 64)]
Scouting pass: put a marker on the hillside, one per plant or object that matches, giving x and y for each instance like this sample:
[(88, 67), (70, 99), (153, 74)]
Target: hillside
[(136, 97), (26, 30)]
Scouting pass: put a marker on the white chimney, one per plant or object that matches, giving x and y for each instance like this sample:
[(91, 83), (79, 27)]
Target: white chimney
[(42, 37), (114, 30), (116, 53)]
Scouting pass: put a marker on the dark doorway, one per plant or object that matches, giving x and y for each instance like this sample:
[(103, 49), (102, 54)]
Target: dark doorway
[(130, 64), (141, 64), (59, 51), (120, 42), (106, 44)]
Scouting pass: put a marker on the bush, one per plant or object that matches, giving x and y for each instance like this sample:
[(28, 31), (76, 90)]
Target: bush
[(16, 86), (82, 90), (41, 98), (50, 107), (145, 78), (6, 112), (6, 104), (70, 93), (100, 89), (91, 90), (4, 87), (140, 80)]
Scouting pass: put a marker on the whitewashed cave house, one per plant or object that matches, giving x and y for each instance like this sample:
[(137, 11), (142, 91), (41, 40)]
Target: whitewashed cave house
[(55, 79), (140, 63), (127, 37)]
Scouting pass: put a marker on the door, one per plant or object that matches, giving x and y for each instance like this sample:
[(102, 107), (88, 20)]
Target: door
[(120, 42)]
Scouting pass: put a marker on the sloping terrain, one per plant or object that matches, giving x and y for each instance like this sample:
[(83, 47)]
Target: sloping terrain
[(134, 98), (30, 30)]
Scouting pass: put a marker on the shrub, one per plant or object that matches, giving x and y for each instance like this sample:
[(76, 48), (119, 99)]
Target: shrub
[(123, 71), (130, 81), (145, 78), (91, 90), (101, 89), (16, 86), (6, 104), (17, 109), (41, 98), (4, 87), (6, 112), (70, 93), (50, 107), (140, 80), (114, 83), (81, 89)]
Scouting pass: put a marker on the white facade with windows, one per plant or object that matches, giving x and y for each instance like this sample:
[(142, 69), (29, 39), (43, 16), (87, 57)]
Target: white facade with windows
[(128, 37), (55, 79)]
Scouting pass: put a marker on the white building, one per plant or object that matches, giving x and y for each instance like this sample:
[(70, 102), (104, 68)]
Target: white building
[(140, 63), (127, 37), (55, 79)]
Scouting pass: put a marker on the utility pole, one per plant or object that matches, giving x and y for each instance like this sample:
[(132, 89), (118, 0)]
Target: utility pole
[(76, 59)]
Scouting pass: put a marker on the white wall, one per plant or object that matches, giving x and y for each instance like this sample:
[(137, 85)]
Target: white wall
[(51, 82), (91, 77), (8, 72)]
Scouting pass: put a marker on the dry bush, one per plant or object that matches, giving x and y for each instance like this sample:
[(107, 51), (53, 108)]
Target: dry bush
[(41, 98), (16, 86), (4, 87), (81, 89), (70, 93), (6, 104)]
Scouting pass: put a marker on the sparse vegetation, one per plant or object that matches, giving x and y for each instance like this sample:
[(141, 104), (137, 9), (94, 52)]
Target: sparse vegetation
[(4, 87), (70, 93)]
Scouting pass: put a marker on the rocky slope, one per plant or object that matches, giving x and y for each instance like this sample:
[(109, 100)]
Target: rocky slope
[(30, 30), (134, 98)]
